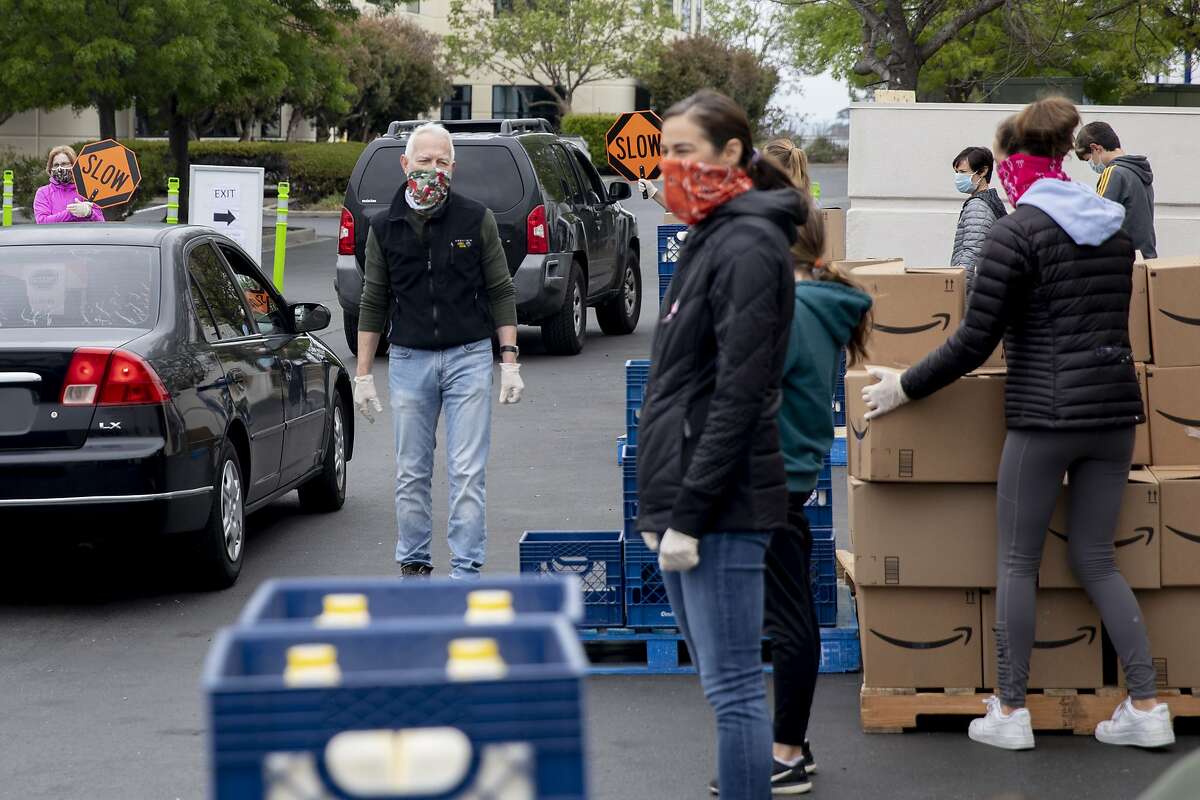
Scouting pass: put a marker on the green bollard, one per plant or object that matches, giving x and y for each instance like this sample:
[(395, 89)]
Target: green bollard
[(281, 215), (816, 191), (8, 196), (172, 201)]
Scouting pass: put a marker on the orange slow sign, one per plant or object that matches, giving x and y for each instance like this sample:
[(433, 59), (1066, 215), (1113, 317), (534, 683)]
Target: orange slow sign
[(106, 173), (634, 145)]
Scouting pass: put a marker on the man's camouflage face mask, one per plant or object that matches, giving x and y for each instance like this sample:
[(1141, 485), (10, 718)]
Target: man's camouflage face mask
[(427, 188)]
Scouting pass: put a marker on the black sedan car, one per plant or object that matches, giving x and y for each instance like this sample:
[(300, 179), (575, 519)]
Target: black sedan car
[(152, 378)]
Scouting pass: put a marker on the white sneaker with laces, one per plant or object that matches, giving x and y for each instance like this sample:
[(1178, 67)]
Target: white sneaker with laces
[(1134, 728), (1009, 732)]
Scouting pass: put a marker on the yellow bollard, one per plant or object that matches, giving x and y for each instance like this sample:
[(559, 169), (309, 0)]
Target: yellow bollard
[(281, 215), (172, 201), (8, 198)]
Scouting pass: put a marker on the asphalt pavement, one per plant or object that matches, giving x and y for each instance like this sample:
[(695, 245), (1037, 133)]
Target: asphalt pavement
[(101, 651)]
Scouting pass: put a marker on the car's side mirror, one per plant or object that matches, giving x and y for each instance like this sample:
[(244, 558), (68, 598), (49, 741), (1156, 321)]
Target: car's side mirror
[(310, 317), (619, 190)]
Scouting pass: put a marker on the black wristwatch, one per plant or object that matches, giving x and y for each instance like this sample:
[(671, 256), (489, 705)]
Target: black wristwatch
[(510, 348)]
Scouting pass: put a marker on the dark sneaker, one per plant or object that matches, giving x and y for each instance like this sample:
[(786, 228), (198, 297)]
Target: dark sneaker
[(785, 781), (414, 569), (810, 763)]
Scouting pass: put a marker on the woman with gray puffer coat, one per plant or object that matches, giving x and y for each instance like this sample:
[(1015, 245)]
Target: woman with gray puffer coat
[(973, 171)]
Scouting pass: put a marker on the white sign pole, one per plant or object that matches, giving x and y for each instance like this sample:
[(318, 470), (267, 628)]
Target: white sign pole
[(229, 200)]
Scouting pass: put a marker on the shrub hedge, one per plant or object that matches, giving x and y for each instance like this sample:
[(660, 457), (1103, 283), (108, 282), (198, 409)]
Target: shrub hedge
[(591, 127), (314, 170)]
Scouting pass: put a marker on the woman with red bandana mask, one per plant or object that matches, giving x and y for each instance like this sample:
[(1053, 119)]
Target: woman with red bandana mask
[(711, 476), (1055, 282)]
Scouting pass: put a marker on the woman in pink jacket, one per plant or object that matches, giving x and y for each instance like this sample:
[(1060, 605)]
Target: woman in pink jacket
[(58, 201)]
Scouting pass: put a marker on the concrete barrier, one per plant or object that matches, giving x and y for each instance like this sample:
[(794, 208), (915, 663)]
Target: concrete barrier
[(901, 185)]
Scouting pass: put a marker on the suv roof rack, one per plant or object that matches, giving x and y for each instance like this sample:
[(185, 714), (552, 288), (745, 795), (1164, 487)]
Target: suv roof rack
[(504, 127)]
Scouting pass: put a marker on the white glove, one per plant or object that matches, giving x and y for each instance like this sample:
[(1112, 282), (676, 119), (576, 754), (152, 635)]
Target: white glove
[(651, 540), (80, 209), (678, 552), (885, 396), (511, 385), (647, 188), (366, 399)]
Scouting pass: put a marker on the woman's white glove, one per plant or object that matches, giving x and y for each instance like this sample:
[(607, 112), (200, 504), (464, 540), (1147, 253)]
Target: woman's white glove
[(678, 552), (80, 209), (651, 540), (647, 188), (887, 394), (511, 385), (366, 399)]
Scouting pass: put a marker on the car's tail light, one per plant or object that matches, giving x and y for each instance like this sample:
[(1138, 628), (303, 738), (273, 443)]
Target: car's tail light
[(107, 377), (537, 235), (346, 234)]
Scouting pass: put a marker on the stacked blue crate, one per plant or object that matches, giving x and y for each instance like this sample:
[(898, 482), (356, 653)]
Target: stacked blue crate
[(837, 453), (637, 373), (823, 574), (594, 557), (646, 603), (819, 508), (670, 239), (522, 729)]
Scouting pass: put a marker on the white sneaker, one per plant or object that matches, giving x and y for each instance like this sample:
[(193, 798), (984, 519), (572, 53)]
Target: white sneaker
[(1010, 732), (1129, 726)]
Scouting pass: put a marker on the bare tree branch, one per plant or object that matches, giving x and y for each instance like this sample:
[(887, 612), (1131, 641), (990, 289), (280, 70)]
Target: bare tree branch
[(948, 31)]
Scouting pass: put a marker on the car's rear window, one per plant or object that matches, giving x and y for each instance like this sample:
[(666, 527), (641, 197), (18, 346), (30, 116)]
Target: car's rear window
[(78, 286), (486, 173)]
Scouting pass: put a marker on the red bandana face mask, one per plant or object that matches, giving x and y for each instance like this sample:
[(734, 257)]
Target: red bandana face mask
[(695, 189), (1020, 171)]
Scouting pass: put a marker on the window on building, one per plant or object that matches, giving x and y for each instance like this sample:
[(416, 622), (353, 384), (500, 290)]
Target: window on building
[(458, 106), (523, 102), (685, 15), (412, 6)]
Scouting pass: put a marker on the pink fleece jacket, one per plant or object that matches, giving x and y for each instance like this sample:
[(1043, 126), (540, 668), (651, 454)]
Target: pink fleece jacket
[(50, 204)]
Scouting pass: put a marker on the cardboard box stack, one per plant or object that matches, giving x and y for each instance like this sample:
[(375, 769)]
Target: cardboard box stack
[(922, 497)]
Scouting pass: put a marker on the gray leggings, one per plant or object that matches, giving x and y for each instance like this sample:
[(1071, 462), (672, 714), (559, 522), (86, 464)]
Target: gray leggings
[(1031, 474)]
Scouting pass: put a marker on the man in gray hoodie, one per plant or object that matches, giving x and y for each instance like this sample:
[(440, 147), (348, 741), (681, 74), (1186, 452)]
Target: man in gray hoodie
[(1124, 179)]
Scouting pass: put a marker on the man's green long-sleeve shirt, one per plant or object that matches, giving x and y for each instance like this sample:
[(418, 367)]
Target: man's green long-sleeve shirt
[(375, 305)]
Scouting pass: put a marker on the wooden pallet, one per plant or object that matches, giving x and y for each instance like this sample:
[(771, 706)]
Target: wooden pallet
[(1075, 710)]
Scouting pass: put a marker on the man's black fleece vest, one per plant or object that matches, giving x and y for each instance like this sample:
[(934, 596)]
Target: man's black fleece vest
[(439, 298)]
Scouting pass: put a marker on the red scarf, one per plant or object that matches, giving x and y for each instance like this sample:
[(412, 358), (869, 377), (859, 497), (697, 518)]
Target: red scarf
[(695, 189), (1020, 171)]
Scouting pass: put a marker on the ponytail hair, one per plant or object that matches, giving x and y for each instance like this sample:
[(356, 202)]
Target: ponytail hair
[(809, 261), (794, 161), (722, 121)]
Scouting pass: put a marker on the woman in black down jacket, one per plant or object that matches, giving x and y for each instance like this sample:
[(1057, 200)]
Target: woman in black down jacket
[(1055, 282), (711, 479)]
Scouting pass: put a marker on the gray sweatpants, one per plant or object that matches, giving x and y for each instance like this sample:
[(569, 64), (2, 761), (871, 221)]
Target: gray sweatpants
[(1031, 476)]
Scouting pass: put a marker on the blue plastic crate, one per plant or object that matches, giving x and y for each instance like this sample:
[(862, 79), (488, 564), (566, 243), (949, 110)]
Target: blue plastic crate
[(646, 603), (629, 487), (823, 575), (819, 516), (300, 600), (621, 440), (840, 650), (669, 242), (594, 557), (837, 453), (528, 725)]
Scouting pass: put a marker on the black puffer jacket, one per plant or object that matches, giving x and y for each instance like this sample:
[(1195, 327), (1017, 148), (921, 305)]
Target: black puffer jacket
[(708, 441), (1057, 289)]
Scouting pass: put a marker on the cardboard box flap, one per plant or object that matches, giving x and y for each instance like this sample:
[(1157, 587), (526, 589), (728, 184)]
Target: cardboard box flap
[(1176, 473)]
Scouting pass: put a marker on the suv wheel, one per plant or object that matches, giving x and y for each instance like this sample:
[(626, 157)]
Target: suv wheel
[(562, 334), (619, 316), (351, 326)]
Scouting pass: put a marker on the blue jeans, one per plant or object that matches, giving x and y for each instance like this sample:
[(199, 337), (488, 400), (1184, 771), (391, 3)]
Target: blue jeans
[(719, 609), (421, 383)]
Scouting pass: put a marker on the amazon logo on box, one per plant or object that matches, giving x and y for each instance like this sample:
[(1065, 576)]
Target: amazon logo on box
[(1067, 646), (1174, 295), (920, 638), (1179, 493), (1137, 538), (1174, 395)]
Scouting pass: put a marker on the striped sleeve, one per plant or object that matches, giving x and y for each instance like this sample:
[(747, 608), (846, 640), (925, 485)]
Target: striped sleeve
[(1105, 177)]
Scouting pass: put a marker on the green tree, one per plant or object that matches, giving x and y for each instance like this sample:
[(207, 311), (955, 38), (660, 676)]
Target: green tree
[(397, 73), (559, 46), (701, 62)]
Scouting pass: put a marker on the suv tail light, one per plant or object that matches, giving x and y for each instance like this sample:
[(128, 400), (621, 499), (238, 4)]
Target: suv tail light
[(537, 236), (346, 234), (107, 377)]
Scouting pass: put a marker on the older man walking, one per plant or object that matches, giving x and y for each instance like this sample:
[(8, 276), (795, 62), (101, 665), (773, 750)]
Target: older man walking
[(436, 266)]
